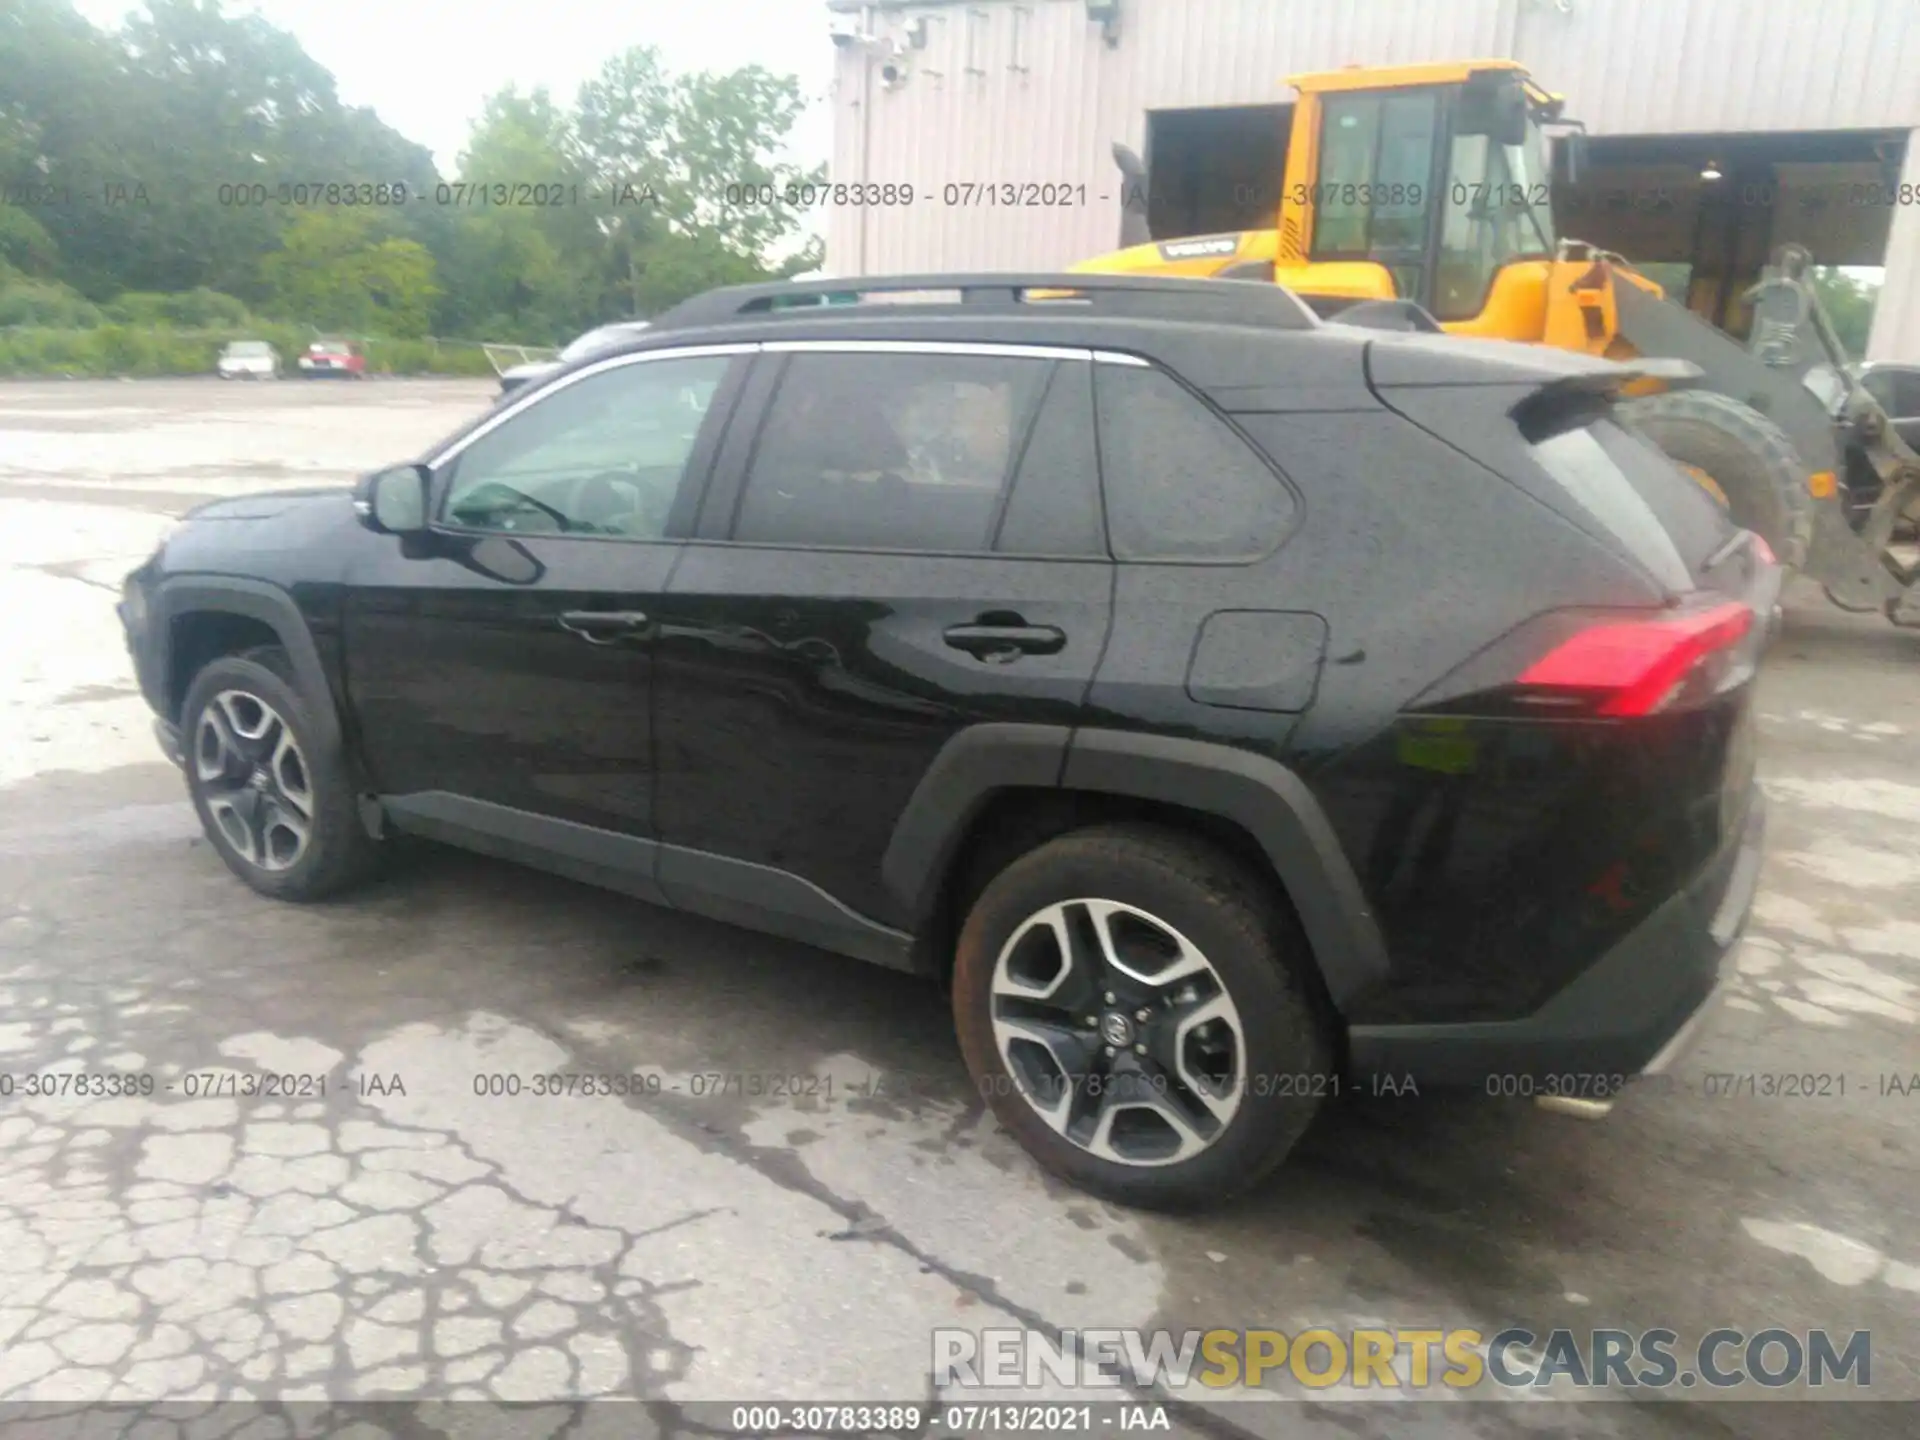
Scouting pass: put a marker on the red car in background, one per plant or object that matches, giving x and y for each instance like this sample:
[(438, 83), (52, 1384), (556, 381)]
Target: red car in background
[(340, 358)]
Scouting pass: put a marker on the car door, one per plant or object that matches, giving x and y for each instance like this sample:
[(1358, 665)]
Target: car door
[(499, 671), (906, 542)]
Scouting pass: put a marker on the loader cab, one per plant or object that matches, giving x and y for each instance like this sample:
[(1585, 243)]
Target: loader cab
[(1419, 183)]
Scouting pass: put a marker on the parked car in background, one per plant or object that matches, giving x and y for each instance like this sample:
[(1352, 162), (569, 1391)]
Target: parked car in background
[(1048, 651), (1896, 386), (340, 358), (248, 360), (602, 338)]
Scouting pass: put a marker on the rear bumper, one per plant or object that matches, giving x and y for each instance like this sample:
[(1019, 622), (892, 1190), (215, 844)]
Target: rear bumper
[(1634, 1012)]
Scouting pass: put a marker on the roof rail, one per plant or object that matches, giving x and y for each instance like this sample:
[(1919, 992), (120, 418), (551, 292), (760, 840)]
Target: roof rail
[(1227, 302)]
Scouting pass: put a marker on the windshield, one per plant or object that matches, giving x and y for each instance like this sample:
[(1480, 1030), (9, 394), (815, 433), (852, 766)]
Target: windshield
[(1499, 207), (247, 349)]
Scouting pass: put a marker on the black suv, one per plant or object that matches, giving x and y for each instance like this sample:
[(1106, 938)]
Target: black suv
[(1234, 708)]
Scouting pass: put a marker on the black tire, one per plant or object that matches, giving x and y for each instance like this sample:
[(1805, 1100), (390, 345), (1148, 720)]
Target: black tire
[(1750, 459), (1259, 955), (338, 853)]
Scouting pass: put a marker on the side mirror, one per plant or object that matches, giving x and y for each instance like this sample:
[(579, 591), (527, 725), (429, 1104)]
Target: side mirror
[(1577, 156), (1494, 104), (394, 501)]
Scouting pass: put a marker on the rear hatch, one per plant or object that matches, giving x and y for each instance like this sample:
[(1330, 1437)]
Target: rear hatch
[(1547, 422), (1658, 689)]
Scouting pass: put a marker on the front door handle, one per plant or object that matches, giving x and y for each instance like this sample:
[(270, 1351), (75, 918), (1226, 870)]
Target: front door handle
[(1000, 643), (602, 627)]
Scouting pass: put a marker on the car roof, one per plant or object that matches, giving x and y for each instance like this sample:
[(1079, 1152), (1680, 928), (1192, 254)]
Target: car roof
[(1251, 345)]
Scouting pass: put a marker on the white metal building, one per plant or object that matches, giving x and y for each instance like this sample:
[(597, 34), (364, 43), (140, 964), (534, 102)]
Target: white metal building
[(1814, 99)]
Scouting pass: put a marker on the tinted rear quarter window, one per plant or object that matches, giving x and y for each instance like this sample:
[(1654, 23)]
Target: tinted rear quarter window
[(1658, 514), (1181, 483)]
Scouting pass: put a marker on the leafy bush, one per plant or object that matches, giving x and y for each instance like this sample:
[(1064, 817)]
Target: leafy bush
[(46, 302), (425, 357), (200, 309), (148, 350)]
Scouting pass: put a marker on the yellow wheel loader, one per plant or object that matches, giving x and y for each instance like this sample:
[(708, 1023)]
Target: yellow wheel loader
[(1420, 197)]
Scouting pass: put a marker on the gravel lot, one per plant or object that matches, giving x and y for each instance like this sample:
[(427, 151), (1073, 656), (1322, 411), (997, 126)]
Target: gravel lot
[(419, 1239)]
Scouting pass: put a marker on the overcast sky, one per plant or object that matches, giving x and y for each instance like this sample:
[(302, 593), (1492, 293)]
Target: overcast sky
[(427, 65)]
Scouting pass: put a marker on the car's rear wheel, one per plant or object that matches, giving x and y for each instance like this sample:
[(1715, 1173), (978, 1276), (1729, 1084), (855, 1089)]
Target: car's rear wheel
[(273, 799), (1133, 1004)]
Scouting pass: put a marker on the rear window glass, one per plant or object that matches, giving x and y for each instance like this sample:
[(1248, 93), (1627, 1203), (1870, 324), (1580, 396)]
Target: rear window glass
[(1660, 515)]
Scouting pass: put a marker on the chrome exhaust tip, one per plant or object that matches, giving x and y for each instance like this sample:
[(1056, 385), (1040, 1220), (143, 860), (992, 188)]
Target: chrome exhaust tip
[(1572, 1105)]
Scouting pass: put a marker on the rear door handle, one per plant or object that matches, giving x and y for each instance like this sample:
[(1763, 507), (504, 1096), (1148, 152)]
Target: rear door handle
[(602, 627), (1000, 643)]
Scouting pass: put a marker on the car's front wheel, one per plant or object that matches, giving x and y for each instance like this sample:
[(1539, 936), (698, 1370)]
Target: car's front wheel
[(1135, 1007), (274, 800)]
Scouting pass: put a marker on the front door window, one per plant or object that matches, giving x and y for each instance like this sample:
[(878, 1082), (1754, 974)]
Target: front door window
[(603, 455)]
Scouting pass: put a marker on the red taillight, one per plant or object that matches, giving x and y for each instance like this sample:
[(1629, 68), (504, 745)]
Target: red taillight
[(1635, 667)]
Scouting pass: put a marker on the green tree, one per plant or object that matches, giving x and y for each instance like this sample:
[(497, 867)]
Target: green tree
[(25, 245), (335, 270), (1849, 303), (144, 134), (694, 173), (531, 268), (162, 140), (399, 278)]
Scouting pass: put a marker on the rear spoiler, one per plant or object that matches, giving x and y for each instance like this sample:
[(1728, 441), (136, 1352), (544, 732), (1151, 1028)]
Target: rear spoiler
[(1562, 402)]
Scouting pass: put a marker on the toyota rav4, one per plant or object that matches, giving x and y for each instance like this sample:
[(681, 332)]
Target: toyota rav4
[(1229, 707)]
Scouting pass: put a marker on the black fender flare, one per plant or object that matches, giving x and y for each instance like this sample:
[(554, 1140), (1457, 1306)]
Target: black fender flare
[(1254, 792), (970, 767), (256, 600)]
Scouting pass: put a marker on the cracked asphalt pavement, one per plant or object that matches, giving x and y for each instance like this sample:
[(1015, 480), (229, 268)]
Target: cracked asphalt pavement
[(762, 1220)]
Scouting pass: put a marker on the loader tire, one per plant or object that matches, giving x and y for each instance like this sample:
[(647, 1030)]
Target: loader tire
[(1740, 457)]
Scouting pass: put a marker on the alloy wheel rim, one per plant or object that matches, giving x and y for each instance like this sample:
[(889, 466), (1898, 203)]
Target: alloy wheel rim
[(1118, 1032), (254, 778)]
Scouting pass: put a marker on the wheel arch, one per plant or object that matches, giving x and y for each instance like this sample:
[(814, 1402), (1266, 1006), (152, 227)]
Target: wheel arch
[(200, 619), (997, 791)]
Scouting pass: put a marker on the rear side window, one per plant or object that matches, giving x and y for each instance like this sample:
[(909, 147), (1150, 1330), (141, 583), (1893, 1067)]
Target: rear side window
[(1659, 514), (889, 451), (1181, 484)]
